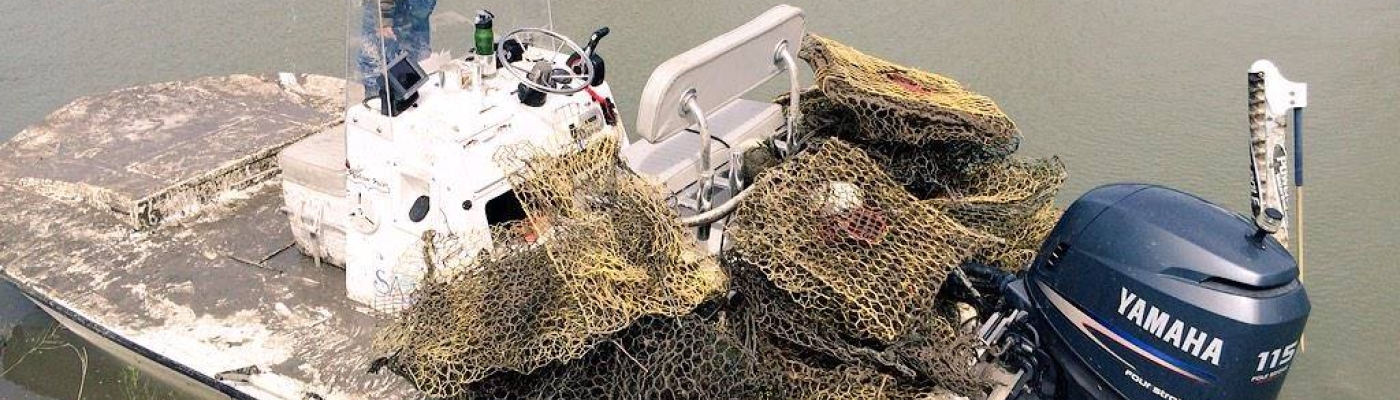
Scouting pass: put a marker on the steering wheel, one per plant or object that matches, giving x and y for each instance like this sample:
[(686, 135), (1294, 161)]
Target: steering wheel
[(566, 83)]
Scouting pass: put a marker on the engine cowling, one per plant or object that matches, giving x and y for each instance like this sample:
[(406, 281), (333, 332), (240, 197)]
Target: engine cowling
[(1144, 292)]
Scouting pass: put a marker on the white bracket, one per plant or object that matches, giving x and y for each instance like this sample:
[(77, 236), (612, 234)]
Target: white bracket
[(1281, 95)]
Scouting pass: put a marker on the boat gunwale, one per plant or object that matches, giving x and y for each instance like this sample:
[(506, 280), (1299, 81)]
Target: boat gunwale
[(71, 314)]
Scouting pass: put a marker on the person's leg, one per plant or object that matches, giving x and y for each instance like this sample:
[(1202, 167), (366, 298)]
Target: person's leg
[(418, 42), (367, 50), (372, 49)]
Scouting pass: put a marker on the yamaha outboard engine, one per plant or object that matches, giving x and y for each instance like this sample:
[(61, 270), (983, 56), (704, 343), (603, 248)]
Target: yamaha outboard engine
[(1143, 292)]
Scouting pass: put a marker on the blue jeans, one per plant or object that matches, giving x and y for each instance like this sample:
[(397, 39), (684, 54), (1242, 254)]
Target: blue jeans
[(412, 27), (412, 34)]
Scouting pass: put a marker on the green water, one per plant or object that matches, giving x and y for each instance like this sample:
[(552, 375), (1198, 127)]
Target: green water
[(1124, 91), (40, 359)]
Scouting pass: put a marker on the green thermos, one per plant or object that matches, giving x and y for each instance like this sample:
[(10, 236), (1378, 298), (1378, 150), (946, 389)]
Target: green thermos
[(485, 39)]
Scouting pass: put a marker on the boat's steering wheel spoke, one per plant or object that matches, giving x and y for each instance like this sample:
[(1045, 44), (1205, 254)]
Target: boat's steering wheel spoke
[(553, 84)]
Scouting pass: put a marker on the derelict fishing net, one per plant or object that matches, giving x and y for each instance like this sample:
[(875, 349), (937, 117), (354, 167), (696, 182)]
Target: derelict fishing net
[(927, 169), (598, 250), (838, 264), (893, 103), (554, 310), (830, 287), (1011, 199), (943, 143)]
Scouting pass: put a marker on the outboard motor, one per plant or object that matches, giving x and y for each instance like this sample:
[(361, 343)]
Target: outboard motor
[(1143, 292)]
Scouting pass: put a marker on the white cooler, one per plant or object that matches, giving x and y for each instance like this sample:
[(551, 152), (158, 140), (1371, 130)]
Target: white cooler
[(313, 187)]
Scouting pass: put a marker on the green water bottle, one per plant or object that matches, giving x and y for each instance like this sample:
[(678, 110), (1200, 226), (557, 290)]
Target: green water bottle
[(485, 39)]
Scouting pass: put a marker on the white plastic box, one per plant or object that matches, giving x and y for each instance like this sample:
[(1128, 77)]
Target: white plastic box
[(313, 189)]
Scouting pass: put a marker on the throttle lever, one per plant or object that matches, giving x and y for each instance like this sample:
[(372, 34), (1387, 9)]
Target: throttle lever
[(598, 35)]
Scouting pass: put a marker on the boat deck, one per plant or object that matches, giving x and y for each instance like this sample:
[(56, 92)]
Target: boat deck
[(218, 289)]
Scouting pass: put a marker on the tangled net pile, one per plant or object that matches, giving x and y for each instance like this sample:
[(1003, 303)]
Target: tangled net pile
[(943, 143), (830, 287), (839, 265), (599, 250)]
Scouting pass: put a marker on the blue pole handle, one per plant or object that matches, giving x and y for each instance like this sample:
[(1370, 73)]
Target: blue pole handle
[(1298, 146)]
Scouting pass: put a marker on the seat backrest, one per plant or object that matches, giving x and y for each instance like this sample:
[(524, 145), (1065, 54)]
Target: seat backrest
[(720, 71)]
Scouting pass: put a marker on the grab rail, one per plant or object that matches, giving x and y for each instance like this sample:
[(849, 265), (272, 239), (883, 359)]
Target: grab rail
[(691, 108), (782, 55)]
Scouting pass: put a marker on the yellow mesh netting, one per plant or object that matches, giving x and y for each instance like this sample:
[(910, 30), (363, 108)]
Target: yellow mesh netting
[(940, 141), (599, 250), (838, 262), (1011, 199), (694, 356), (830, 287), (835, 231), (896, 103)]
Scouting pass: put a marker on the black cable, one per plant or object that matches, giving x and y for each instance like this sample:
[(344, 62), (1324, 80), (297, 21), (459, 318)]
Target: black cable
[(713, 137), (1035, 334), (721, 141)]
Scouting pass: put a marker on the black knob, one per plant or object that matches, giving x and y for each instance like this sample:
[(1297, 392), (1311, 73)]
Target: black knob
[(419, 209), (513, 50)]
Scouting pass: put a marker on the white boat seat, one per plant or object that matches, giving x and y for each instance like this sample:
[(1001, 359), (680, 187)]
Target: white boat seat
[(672, 162), (317, 162), (719, 71), (709, 82)]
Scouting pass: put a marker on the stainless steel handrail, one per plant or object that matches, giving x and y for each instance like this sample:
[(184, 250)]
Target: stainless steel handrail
[(690, 107), (704, 219), (784, 56), (705, 215)]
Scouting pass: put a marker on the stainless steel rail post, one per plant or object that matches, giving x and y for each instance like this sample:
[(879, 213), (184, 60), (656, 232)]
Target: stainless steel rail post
[(691, 108), (784, 57)]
